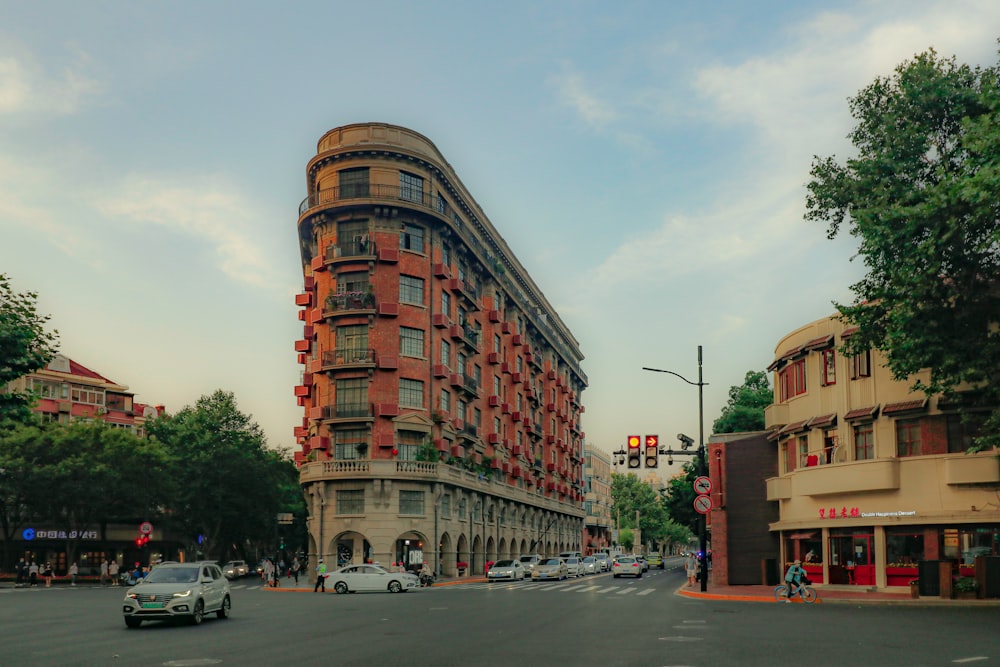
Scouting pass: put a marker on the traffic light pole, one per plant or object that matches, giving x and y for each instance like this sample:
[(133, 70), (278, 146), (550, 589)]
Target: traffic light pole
[(702, 461)]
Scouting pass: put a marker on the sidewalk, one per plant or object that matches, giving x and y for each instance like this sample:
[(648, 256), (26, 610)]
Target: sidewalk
[(827, 595)]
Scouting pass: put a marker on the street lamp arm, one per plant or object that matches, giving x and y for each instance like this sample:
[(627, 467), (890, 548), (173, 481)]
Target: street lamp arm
[(660, 370)]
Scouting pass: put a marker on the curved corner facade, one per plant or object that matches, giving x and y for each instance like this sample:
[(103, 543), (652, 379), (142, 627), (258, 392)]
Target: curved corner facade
[(873, 477), (441, 393)]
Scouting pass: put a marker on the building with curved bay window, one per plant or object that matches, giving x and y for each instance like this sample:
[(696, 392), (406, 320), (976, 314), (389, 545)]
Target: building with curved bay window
[(440, 389), (874, 478)]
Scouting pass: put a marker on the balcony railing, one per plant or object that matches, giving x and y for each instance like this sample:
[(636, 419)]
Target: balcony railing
[(433, 472), (348, 357), (350, 301), (348, 411), (357, 248), (407, 194)]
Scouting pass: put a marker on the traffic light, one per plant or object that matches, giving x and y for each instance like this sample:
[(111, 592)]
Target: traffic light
[(633, 451), (652, 451)]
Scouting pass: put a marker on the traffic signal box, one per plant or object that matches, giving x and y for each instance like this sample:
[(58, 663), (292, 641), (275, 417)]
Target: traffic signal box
[(634, 456), (652, 451)]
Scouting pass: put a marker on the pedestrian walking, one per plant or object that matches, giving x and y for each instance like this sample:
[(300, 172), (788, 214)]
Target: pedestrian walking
[(113, 573), (320, 577), (47, 575), (33, 574), (691, 568), (104, 571), (21, 570), (296, 566), (73, 571), (268, 570)]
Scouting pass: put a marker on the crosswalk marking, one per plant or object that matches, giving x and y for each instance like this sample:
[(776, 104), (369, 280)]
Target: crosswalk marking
[(646, 592)]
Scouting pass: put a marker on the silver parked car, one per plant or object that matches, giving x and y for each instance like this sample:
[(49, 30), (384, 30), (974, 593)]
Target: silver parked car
[(589, 565), (603, 561), (507, 569), (185, 591), (574, 566), (550, 568)]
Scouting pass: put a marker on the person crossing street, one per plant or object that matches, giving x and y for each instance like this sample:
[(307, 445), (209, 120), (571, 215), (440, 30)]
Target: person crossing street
[(320, 577)]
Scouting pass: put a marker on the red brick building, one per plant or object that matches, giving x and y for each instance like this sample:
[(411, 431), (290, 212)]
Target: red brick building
[(441, 392)]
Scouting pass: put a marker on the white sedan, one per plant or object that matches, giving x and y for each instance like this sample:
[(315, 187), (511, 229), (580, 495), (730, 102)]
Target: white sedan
[(507, 569), (355, 578)]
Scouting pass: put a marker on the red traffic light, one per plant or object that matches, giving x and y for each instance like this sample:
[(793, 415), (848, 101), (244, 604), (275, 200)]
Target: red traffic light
[(634, 441), (138, 541), (652, 441)]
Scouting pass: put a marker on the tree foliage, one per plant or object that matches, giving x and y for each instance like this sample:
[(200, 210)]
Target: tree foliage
[(628, 495), (745, 409), (680, 495), (228, 484), (922, 196), (25, 346)]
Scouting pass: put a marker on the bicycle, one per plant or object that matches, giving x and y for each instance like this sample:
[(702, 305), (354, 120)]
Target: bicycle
[(806, 592)]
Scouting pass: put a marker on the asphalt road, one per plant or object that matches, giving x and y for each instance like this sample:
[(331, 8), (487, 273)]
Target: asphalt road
[(590, 621)]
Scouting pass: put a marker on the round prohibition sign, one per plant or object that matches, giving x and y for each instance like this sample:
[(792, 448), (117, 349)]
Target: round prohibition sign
[(702, 504), (702, 485), (145, 528)]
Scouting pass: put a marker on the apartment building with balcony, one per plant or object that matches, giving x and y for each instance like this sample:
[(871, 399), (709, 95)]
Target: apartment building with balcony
[(872, 476), (597, 499), (68, 390), (441, 392)]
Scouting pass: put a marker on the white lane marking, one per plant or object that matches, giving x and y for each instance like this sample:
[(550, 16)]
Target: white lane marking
[(681, 639), (608, 589), (647, 591), (589, 588), (624, 592), (693, 621), (572, 588), (973, 659)]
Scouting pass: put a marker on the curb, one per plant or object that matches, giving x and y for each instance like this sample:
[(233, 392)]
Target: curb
[(911, 602)]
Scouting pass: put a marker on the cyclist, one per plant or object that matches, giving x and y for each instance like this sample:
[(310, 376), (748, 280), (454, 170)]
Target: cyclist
[(793, 579)]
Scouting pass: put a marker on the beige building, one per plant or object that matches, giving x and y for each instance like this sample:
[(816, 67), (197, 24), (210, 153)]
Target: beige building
[(440, 391), (597, 503), (873, 477)]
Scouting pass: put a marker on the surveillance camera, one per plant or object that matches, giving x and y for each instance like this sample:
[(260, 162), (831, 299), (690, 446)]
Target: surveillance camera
[(686, 441), (670, 460)]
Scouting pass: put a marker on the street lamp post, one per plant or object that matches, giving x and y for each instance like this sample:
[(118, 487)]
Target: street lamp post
[(702, 461)]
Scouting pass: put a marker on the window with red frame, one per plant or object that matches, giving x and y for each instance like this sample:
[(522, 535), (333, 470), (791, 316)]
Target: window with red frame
[(792, 379), (864, 442), (908, 437), (829, 360)]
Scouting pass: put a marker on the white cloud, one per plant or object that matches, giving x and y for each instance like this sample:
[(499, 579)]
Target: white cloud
[(26, 87), (573, 91), (211, 210)]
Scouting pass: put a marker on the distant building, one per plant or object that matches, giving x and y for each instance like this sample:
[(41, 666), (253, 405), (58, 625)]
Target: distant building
[(441, 392), (69, 390), (597, 503), (872, 477)]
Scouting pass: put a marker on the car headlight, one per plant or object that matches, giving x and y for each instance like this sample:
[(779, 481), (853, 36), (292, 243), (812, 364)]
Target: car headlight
[(132, 596), (183, 594)]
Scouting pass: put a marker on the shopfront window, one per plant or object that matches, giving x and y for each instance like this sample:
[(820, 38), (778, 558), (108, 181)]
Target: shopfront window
[(904, 547), (975, 542)]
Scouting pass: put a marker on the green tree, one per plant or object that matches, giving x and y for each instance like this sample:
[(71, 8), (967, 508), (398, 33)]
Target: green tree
[(22, 454), (680, 497), (228, 483), (922, 198), (630, 495), (745, 409), (25, 346), (94, 474)]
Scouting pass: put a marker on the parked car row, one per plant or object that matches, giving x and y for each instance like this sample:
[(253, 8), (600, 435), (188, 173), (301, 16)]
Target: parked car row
[(570, 564)]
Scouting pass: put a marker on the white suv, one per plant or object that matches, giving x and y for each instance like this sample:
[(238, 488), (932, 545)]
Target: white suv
[(178, 590)]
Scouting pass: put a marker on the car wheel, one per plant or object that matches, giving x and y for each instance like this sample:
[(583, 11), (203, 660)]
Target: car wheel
[(395, 587), (199, 612), (340, 587), (133, 622), (224, 609)]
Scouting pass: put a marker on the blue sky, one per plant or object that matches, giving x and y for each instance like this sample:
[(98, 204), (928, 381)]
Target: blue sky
[(646, 161)]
